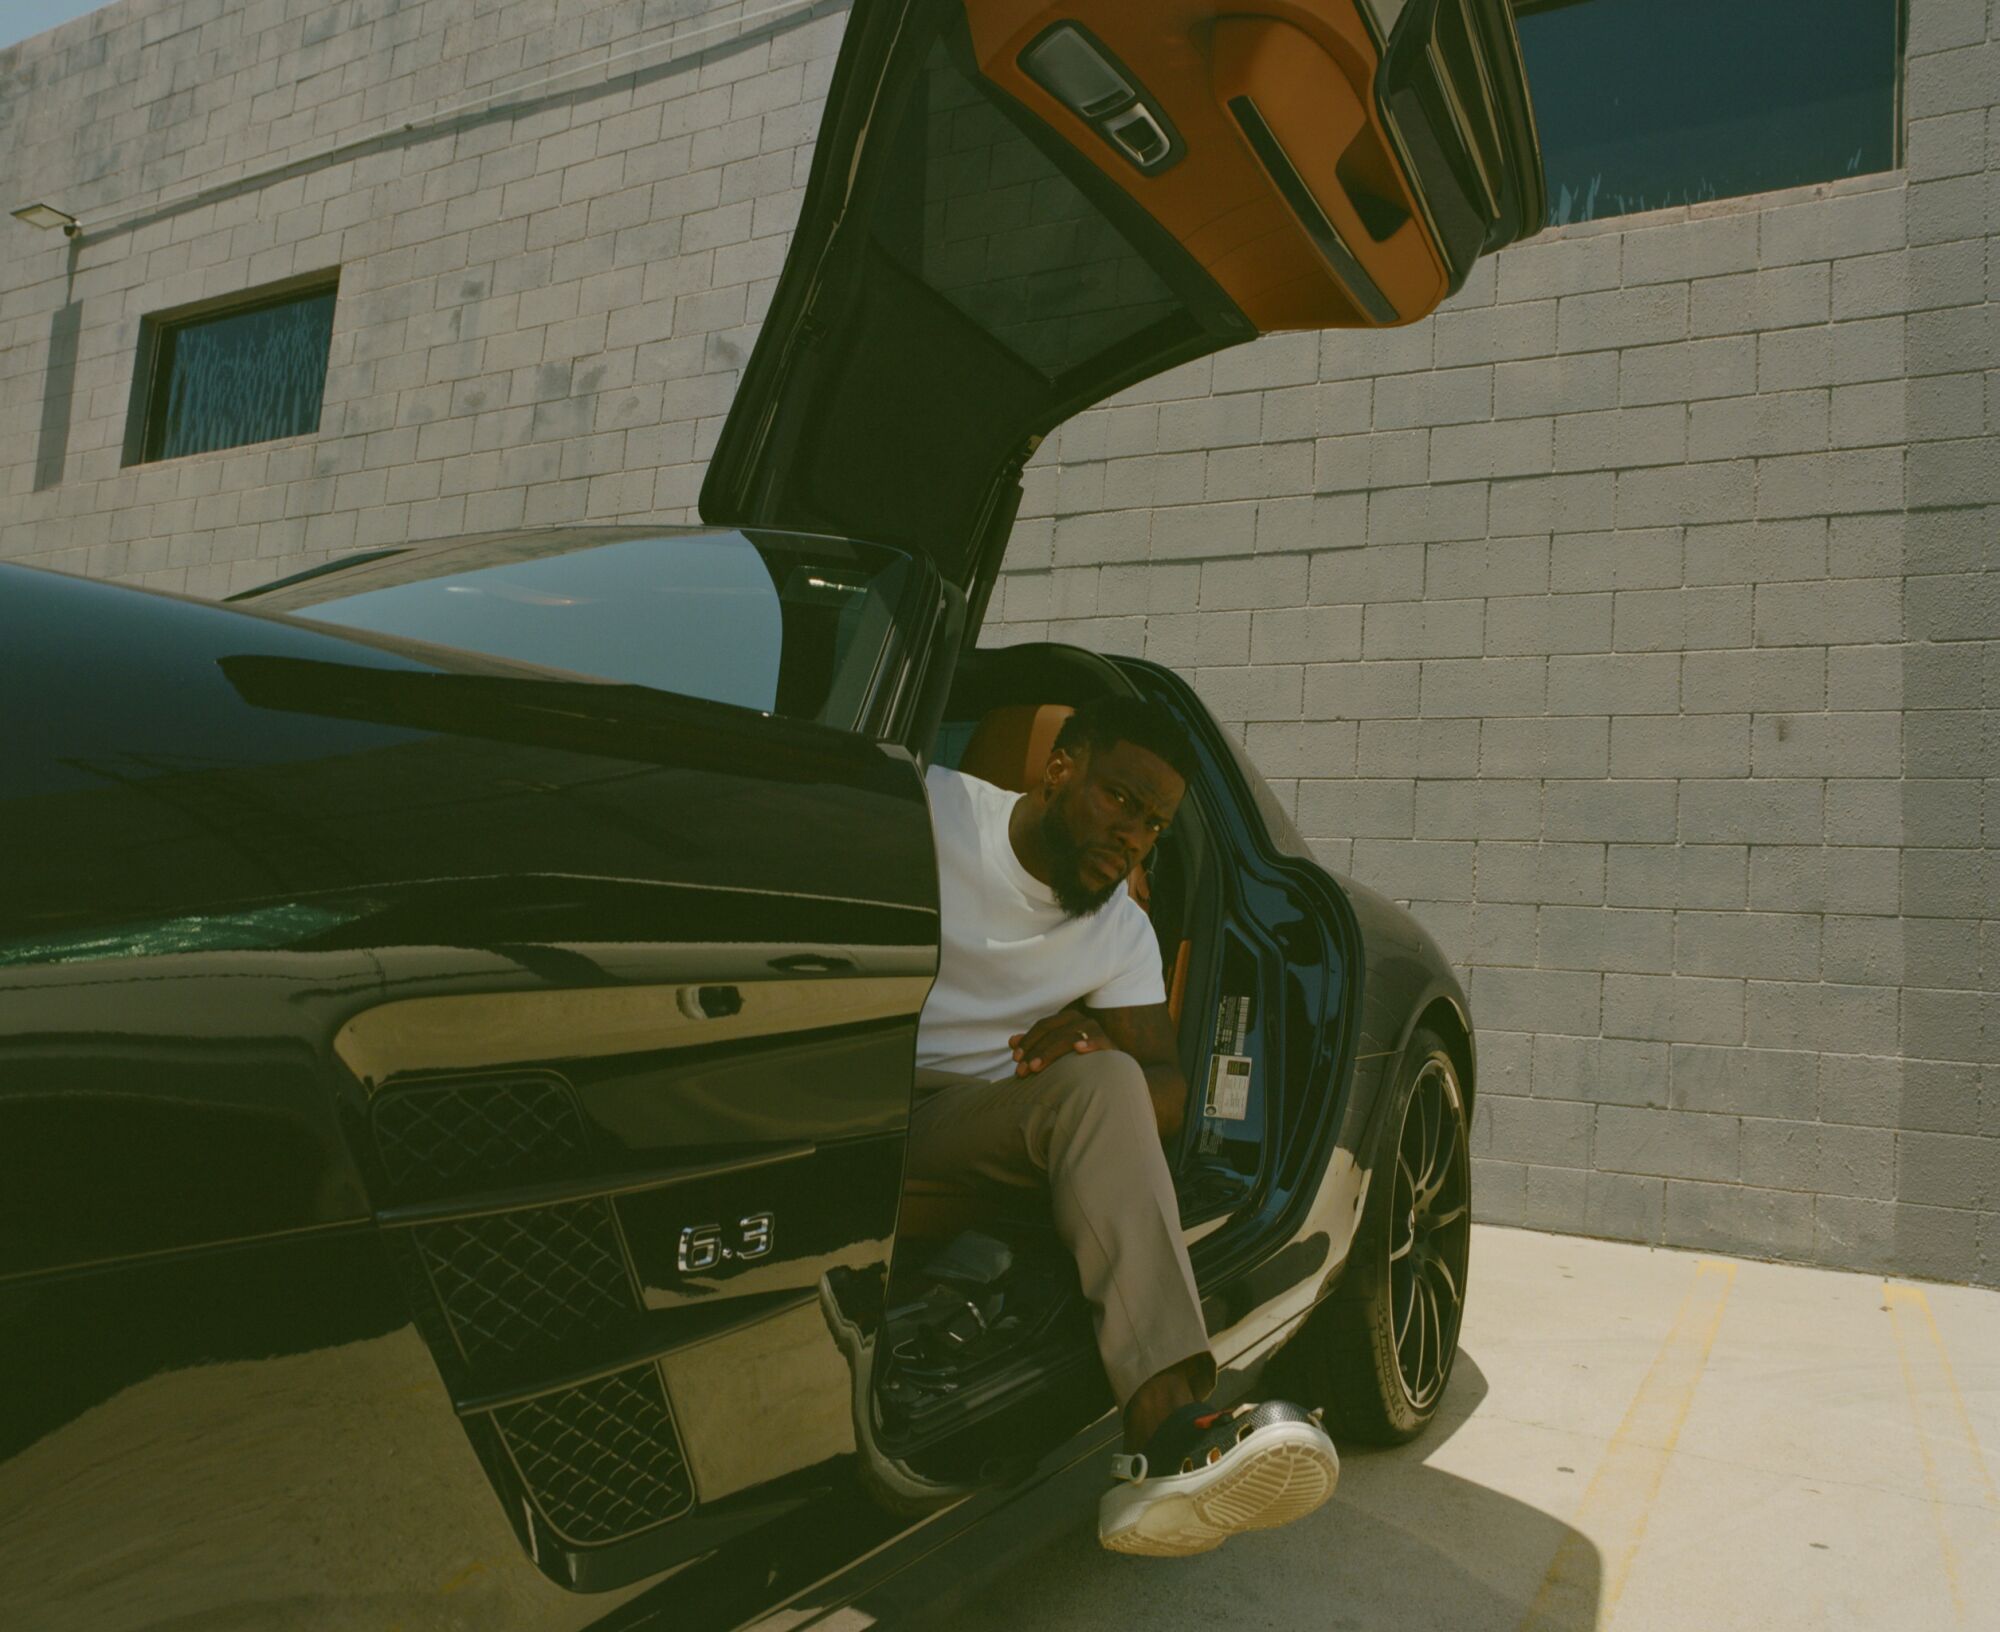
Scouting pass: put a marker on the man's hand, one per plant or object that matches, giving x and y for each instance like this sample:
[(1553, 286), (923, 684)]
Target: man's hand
[(1147, 1034), (1069, 1031)]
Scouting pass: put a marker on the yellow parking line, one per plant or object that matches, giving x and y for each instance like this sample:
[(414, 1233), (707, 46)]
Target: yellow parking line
[(1619, 1499), (1955, 1473)]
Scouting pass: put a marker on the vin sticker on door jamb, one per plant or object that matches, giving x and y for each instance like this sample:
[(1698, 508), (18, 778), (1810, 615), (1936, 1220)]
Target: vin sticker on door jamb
[(1228, 1087)]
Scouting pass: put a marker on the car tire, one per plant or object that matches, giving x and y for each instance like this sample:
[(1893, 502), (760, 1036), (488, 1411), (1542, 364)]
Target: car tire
[(1379, 1351)]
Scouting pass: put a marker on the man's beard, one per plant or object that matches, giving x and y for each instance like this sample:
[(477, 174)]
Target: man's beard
[(1065, 856)]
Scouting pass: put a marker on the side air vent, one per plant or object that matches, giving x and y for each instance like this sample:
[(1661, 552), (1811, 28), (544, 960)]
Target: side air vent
[(1324, 234), (434, 1137), (508, 1286), (602, 1460)]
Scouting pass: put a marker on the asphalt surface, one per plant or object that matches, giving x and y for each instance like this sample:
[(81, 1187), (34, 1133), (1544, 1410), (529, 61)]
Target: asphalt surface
[(1635, 1440)]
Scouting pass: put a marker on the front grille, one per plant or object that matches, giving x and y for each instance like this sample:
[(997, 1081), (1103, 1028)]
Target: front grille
[(530, 1279), (434, 1137), (602, 1460)]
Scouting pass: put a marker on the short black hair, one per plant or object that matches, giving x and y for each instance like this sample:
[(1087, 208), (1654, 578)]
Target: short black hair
[(1106, 721)]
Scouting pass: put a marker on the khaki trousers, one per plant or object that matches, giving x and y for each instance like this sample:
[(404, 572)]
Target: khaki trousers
[(1083, 1126)]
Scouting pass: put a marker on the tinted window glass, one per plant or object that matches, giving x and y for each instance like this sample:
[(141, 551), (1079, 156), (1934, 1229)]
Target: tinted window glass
[(982, 216), (1643, 105), (784, 627), (250, 375)]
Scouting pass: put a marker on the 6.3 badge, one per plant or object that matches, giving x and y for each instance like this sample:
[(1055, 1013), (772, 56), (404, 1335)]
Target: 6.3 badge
[(702, 1246)]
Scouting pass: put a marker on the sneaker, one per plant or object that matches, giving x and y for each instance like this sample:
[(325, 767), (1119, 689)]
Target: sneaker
[(1210, 1473)]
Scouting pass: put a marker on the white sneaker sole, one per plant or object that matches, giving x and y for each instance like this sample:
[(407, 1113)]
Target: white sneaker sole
[(1280, 1474)]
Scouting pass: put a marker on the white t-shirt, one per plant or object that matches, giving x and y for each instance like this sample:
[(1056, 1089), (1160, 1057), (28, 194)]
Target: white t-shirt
[(1009, 955)]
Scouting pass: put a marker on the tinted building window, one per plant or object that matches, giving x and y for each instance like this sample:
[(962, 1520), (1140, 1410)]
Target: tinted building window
[(1642, 105), (252, 373)]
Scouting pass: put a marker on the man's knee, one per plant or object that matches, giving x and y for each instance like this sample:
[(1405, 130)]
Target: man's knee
[(1109, 1082)]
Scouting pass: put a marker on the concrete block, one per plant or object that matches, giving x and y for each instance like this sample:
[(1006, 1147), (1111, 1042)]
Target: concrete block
[(1608, 811), (1750, 302), (1578, 747), (1940, 1096), (1687, 370), (1940, 1243), (1356, 809), (1496, 333), (1643, 558), (1486, 566), (1674, 1008), (1624, 1206), (1749, 1081), (1700, 745), (1947, 1170), (1603, 1071), (1571, 503), (1415, 869), (1302, 748), (1852, 224), (1829, 613), (1672, 620), (1791, 679), (1423, 515), (1843, 1019), (1622, 437), (1843, 745), (1698, 248), (1521, 625), (1567, 384), (1467, 687), (1607, 939), (1386, 572), (1616, 684), (1763, 945), (1550, 1132), (1738, 1218), (1775, 423), (1756, 552), (1267, 692), (1685, 495), (1559, 266), (1491, 448), (1559, 874), (1419, 748), (1539, 1000), (1448, 396), (1305, 634), (1423, 629), (1671, 1144), (1361, 691), (1862, 951), (1468, 808), (1615, 319), (1553, 1198)]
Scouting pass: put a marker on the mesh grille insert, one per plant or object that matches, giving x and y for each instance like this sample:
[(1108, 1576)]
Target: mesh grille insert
[(433, 1137), (602, 1460), (528, 1280)]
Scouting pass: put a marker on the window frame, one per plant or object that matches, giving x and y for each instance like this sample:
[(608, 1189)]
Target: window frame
[(152, 375)]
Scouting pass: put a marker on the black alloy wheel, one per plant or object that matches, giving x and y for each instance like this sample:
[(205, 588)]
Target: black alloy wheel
[(1430, 1218), (1379, 1352)]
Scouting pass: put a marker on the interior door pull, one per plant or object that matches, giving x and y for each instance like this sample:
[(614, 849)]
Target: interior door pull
[(1138, 133)]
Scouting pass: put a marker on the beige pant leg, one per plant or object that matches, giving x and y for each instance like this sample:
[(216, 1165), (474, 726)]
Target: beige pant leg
[(1084, 1127)]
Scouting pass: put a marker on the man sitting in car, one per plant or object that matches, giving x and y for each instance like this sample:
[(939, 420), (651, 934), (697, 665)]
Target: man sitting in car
[(1046, 1056)]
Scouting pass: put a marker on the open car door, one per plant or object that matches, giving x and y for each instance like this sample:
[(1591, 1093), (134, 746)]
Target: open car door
[(1018, 208)]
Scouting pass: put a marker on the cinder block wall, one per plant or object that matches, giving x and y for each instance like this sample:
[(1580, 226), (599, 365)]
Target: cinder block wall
[(1635, 618)]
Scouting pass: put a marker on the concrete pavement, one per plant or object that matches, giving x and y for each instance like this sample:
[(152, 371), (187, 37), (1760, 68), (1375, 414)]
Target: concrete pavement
[(1636, 1440)]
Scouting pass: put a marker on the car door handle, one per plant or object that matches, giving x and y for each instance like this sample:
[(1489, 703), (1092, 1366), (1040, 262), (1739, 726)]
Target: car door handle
[(1138, 134), (810, 963)]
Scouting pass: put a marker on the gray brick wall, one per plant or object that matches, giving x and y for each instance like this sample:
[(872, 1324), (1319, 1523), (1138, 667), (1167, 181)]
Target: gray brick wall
[(1634, 619)]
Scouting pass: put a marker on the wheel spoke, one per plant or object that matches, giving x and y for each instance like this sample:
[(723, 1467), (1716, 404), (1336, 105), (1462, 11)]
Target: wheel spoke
[(1441, 1271), (1397, 1254), (1451, 1215), (1438, 1174)]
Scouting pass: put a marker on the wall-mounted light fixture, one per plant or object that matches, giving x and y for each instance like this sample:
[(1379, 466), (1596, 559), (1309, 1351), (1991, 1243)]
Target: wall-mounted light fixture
[(47, 215)]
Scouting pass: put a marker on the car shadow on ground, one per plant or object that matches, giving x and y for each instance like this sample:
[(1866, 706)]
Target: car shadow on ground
[(1403, 1544)]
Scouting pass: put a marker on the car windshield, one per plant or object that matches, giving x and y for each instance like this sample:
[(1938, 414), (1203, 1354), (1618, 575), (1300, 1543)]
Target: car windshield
[(801, 627)]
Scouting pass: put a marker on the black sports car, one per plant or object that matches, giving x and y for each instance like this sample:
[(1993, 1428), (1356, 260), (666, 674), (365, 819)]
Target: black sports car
[(457, 1005)]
